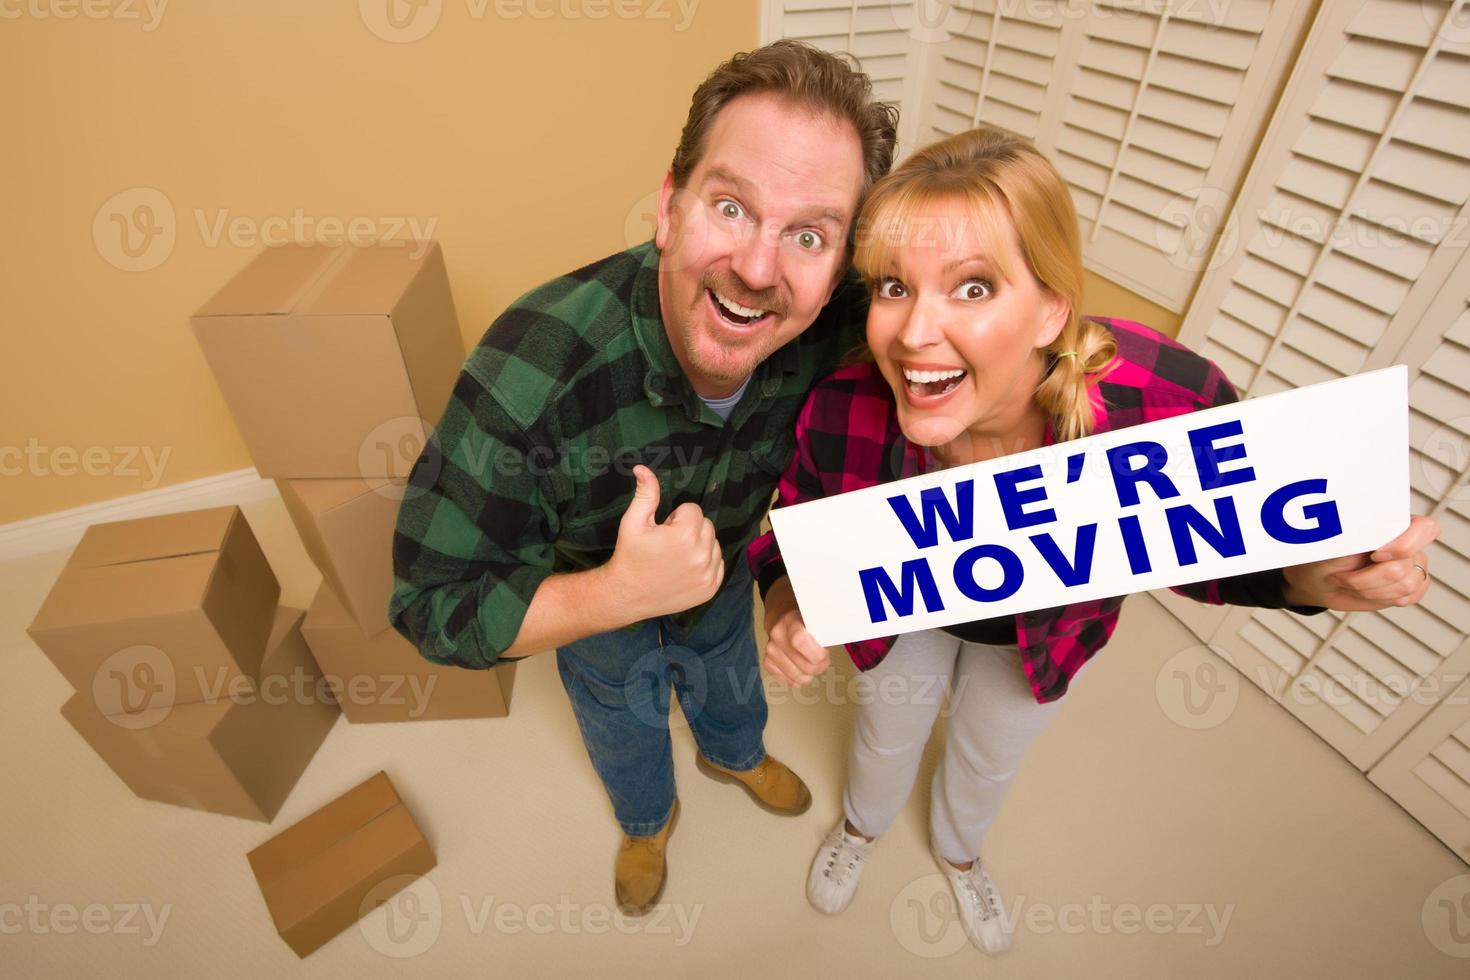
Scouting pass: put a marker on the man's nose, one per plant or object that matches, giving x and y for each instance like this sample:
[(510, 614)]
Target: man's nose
[(757, 259)]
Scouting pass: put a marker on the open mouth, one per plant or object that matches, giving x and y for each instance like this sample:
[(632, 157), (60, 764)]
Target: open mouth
[(933, 384), (733, 313)]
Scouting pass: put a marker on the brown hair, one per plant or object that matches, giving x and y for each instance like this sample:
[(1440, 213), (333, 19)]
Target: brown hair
[(809, 77), (997, 174)]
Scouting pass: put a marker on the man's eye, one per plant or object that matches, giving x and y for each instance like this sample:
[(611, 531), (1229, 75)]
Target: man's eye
[(809, 240), (973, 289), (730, 209), (890, 289)]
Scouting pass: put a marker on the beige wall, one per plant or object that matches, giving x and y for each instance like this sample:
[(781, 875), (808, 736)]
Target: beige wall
[(1103, 297), (530, 143)]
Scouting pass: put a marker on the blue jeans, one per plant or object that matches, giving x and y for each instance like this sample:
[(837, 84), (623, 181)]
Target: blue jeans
[(620, 684)]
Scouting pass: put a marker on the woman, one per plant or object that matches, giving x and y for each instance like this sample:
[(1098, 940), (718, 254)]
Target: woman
[(970, 249)]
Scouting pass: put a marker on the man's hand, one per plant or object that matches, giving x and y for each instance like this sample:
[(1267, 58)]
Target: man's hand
[(659, 569), (793, 655), (1395, 575)]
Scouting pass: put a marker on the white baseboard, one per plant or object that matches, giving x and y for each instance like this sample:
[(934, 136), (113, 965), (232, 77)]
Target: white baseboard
[(63, 529)]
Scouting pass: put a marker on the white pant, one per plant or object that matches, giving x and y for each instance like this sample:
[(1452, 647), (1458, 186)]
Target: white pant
[(993, 719)]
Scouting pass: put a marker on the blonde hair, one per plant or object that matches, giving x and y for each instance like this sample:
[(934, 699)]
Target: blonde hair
[(996, 174)]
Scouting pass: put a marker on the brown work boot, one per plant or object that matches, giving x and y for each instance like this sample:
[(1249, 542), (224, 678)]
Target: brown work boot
[(640, 871), (773, 786)]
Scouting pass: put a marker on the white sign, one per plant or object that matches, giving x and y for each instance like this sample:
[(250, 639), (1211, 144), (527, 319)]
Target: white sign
[(1299, 476)]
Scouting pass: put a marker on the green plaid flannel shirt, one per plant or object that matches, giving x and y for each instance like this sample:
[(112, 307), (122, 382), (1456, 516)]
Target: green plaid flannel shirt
[(530, 468)]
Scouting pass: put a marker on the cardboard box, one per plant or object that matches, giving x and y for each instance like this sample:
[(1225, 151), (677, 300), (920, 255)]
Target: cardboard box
[(236, 756), (335, 361), (321, 875), (347, 528), (155, 611), (385, 678)]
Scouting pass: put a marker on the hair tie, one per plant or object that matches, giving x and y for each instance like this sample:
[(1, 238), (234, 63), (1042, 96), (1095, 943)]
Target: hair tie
[(1066, 353)]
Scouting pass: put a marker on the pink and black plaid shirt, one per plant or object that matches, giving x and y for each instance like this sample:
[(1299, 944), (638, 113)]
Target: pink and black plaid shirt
[(847, 438)]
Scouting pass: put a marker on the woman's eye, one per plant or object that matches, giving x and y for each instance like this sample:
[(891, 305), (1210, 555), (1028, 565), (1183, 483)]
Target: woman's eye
[(973, 289), (809, 240), (730, 209), (890, 289)]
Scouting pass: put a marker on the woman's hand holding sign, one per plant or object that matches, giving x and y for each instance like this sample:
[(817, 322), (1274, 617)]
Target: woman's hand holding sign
[(792, 654), (1395, 575)]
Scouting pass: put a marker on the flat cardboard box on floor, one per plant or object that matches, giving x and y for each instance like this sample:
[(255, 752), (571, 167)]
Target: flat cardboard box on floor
[(333, 359), (322, 874), (239, 756), (158, 610), (385, 678), (347, 528)]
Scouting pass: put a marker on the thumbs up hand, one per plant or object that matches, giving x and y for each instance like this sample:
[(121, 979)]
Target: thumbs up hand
[(665, 568)]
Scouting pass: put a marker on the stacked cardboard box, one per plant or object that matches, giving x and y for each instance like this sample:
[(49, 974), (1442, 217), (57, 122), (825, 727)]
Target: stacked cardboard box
[(336, 362), (191, 683)]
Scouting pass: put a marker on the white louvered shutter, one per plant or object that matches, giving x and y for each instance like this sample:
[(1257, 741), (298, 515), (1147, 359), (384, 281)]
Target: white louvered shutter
[(1428, 773), (881, 34), (1349, 253), (1149, 110), (997, 67)]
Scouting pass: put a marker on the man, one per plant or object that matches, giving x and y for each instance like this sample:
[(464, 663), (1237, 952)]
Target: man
[(614, 440)]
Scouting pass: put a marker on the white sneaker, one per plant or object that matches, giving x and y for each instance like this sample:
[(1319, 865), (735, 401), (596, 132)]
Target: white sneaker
[(981, 910), (836, 869)]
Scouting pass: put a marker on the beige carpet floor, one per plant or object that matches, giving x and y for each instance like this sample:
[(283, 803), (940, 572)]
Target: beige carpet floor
[(1129, 847)]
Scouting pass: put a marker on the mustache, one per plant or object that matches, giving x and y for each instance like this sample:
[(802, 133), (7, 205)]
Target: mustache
[(731, 287)]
